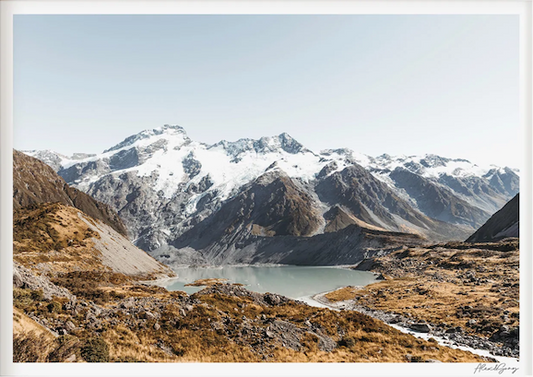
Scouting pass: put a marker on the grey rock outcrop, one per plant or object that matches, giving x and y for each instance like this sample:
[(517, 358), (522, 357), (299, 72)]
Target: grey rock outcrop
[(503, 224), (26, 279)]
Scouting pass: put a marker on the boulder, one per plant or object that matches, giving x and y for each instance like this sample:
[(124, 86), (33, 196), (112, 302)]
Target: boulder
[(420, 327), (17, 279), (69, 326), (272, 299), (25, 278)]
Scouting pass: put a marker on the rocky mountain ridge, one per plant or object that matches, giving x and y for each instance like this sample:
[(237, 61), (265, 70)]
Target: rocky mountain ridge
[(165, 186)]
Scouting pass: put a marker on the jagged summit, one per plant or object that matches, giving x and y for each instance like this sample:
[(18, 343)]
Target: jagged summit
[(267, 144), (158, 133), (431, 165)]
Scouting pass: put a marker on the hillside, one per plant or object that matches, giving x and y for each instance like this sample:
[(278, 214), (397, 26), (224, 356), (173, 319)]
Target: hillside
[(114, 321), (503, 224), (465, 292), (57, 239), (35, 182)]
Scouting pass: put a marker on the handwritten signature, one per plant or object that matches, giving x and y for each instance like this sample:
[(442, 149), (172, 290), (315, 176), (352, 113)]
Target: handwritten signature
[(499, 368)]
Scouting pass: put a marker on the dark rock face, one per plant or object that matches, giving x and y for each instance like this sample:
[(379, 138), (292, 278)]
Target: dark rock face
[(373, 202), (92, 168), (359, 192), (273, 205), (438, 202), (421, 327), (191, 166), (326, 170), (503, 224), (124, 159), (275, 221), (337, 219), (35, 182), (431, 161)]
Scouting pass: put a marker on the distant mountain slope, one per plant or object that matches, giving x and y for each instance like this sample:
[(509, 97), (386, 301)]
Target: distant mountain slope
[(52, 237), (35, 182), (503, 224), (436, 201), (275, 220), (165, 185), (488, 188), (376, 203)]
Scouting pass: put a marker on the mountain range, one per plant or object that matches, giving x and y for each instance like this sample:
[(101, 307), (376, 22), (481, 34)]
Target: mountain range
[(272, 200)]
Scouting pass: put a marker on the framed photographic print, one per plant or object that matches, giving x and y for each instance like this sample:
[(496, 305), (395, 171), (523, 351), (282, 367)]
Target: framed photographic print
[(261, 187)]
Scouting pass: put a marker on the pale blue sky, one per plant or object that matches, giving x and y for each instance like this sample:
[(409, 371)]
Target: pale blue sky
[(376, 84)]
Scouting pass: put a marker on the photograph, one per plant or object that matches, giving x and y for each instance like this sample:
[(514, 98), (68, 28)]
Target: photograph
[(267, 188)]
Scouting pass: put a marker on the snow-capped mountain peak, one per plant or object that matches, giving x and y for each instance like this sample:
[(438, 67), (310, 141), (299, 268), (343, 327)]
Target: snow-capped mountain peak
[(430, 166), (264, 145), (54, 159), (148, 137)]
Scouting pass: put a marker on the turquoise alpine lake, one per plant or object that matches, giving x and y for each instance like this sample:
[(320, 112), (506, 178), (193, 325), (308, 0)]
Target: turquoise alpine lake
[(296, 282)]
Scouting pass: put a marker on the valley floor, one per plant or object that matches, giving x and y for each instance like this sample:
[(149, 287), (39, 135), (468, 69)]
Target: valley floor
[(465, 293), (79, 317)]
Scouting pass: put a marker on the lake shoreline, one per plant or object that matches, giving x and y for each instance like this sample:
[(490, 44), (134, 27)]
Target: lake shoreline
[(288, 280), (403, 324), (474, 344)]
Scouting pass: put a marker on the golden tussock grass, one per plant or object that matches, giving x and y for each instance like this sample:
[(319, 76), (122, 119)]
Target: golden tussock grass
[(483, 281), (53, 236), (206, 282), (31, 341)]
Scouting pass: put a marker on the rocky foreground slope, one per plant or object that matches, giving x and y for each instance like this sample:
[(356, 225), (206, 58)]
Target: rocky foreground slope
[(77, 298), (35, 182), (468, 293), (56, 239), (108, 318)]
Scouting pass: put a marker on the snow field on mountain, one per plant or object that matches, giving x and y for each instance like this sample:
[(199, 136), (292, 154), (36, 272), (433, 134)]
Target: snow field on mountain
[(174, 183)]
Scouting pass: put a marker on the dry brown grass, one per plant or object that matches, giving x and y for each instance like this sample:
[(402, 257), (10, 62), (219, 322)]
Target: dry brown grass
[(22, 323), (206, 282), (31, 341), (439, 293), (53, 237), (192, 338)]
